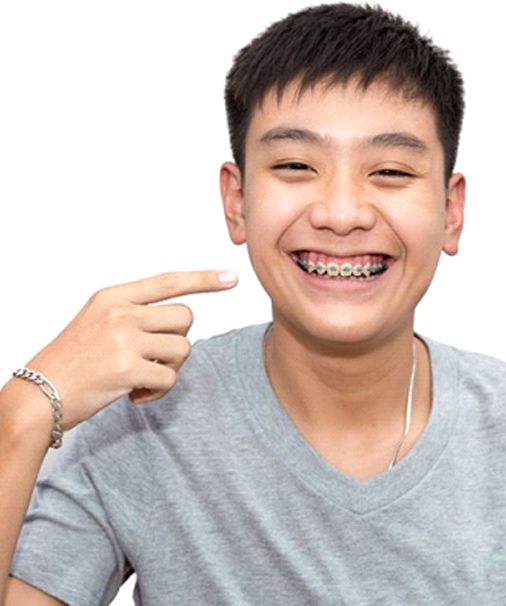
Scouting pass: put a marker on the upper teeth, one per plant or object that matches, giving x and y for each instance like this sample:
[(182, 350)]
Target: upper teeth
[(345, 270)]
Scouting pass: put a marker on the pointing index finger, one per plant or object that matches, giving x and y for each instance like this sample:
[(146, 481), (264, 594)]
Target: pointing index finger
[(173, 284)]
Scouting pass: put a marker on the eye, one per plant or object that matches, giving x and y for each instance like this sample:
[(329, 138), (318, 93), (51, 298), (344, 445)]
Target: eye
[(298, 166), (391, 172)]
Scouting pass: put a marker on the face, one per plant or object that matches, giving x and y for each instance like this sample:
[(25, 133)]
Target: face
[(347, 176)]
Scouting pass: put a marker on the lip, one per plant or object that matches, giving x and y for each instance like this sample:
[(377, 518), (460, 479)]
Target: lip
[(341, 286)]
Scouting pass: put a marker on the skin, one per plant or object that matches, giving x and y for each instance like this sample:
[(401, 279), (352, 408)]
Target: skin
[(340, 361)]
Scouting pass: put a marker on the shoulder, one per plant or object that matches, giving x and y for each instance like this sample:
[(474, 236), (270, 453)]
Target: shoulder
[(482, 377), (473, 363), (478, 373), (479, 365), (202, 382), (224, 344)]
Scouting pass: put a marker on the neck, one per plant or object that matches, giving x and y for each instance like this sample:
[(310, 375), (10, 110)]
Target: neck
[(338, 392)]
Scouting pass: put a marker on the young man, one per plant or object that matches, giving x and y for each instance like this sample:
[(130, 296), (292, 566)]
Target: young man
[(331, 456)]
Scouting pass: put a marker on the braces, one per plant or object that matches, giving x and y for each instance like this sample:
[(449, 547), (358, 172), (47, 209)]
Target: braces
[(345, 270)]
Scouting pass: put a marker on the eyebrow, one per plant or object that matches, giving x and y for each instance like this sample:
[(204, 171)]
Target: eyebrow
[(304, 135)]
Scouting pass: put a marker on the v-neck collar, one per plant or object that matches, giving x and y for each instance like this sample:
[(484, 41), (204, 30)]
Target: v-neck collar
[(283, 436)]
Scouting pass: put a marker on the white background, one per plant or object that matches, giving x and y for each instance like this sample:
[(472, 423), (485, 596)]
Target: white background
[(112, 132)]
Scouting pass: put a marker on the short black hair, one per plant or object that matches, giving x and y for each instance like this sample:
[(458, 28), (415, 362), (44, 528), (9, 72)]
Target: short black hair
[(335, 42)]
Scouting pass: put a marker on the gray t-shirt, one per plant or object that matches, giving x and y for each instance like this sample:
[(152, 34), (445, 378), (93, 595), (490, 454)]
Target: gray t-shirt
[(213, 497)]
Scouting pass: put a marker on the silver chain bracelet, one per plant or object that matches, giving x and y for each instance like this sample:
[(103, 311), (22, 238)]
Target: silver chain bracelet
[(54, 398)]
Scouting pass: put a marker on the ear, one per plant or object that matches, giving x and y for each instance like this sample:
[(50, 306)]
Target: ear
[(232, 195), (454, 213)]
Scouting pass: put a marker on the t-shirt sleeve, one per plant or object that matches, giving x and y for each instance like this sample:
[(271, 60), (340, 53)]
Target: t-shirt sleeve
[(67, 546)]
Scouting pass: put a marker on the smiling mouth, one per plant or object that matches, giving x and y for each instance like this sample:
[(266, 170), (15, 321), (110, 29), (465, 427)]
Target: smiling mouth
[(362, 268)]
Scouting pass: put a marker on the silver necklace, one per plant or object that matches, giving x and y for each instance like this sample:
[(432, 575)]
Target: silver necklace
[(409, 403), (409, 407)]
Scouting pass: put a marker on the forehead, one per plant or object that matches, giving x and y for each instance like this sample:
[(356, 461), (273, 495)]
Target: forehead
[(343, 115)]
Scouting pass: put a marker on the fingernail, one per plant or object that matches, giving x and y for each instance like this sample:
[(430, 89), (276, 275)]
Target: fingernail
[(227, 277)]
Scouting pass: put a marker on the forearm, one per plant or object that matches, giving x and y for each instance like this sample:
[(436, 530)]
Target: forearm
[(25, 426)]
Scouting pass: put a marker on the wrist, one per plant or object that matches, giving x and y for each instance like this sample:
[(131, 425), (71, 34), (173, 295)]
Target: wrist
[(25, 412), (50, 391)]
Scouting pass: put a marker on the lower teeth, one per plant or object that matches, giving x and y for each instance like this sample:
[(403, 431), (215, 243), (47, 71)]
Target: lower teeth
[(327, 277)]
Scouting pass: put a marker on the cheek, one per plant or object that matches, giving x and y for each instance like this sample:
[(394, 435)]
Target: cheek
[(421, 229), (263, 226), (267, 219), (270, 211), (418, 217)]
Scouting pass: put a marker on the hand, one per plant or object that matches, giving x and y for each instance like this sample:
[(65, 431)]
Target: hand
[(119, 344)]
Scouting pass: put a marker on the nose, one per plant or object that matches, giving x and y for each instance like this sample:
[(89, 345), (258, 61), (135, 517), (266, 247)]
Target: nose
[(342, 206)]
